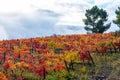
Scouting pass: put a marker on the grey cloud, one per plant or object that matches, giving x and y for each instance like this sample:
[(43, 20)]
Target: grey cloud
[(40, 25), (75, 28), (68, 29), (49, 12)]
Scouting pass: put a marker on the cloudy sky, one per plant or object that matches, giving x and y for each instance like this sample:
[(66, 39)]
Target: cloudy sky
[(37, 18)]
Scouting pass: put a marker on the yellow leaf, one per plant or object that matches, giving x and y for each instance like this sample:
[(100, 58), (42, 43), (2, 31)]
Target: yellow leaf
[(83, 69)]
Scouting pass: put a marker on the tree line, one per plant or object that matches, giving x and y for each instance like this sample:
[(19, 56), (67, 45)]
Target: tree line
[(96, 20)]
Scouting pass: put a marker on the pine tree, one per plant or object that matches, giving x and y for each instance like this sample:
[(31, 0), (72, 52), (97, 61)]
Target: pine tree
[(95, 20), (117, 21)]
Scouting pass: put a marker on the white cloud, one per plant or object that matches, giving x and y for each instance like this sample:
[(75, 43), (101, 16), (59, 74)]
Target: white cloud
[(73, 12), (113, 6), (11, 19), (111, 12), (69, 9), (71, 19), (3, 33), (30, 18), (15, 6), (102, 2)]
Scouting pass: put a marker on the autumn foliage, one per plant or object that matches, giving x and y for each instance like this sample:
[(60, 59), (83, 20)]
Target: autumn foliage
[(43, 55)]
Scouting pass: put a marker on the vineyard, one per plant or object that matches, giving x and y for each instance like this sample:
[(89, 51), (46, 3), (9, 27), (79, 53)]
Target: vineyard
[(69, 57)]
